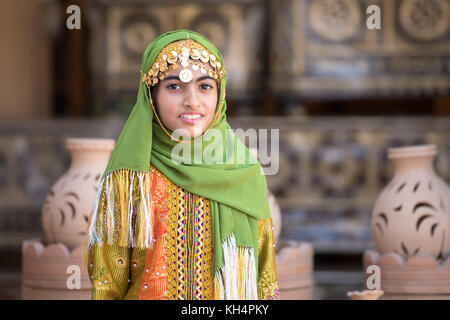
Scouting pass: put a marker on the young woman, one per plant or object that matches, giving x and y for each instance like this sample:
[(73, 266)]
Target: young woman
[(165, 226)]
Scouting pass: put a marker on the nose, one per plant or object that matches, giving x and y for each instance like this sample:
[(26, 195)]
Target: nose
[(190, 97)]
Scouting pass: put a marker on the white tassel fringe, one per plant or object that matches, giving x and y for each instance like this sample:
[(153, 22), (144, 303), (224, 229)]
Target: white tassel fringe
[(107, 216), (227, 275)]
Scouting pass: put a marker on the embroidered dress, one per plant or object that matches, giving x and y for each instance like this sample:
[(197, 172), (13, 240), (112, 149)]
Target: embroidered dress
[(169, 227), (179, 264)]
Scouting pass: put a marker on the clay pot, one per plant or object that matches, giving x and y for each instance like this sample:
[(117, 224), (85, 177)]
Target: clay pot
[(68, 204), (53, 272), (412, 214), (365, 295), (295, 270), (419, 277)]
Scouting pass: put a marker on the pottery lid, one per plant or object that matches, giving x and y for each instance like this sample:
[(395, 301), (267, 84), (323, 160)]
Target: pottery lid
[(412, 151), (90, 144)]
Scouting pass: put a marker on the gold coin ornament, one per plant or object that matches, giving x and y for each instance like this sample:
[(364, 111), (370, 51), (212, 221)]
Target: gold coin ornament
[(172, 60), (184, 63), (195, 54), (163, 67), (184, 52), (185, 75)]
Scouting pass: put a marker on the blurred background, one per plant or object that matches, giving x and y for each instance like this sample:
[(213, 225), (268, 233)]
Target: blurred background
[(339, 92)]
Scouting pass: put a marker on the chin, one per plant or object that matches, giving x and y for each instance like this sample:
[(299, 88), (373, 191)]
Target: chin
[(190, 132)]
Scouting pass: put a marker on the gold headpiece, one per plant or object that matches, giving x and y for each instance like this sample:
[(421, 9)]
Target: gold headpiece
[(182, 51)]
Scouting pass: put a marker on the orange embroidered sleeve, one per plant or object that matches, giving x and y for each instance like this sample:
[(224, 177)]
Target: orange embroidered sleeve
[(153, 282)]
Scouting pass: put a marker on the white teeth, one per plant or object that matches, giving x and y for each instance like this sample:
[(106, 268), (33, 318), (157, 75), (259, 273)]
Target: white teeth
[(191, 116)]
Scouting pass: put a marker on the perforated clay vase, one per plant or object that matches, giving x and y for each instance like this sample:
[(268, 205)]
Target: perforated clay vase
[(68, 204), (412, 214)]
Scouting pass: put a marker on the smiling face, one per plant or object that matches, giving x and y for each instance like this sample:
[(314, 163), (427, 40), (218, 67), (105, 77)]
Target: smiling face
[(187, 105)]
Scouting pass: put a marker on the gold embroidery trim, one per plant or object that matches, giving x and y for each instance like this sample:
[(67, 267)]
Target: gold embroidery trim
[(267, 282)]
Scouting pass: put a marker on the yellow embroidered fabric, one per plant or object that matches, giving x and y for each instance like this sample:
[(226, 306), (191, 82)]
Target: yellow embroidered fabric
[(136, 265), (267, 280), (108, 265), (108, 268), (189, 245), (114, 269)]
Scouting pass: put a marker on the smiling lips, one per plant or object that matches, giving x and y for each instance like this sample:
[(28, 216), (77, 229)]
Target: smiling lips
[(191, 117)]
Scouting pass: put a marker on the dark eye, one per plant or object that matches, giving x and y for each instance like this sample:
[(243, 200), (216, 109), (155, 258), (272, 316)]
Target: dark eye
[(205, 86), (173, 86)]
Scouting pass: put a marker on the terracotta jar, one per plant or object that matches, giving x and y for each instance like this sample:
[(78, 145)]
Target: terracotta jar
[(53, 272), (68, 204), (412, 214), (295, 270), (419, 277)]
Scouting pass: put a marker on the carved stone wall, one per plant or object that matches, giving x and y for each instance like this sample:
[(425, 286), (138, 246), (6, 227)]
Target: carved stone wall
[(292, 49), (323, 48)]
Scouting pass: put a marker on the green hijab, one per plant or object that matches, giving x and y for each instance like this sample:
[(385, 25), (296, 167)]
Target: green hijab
[(237, 191)]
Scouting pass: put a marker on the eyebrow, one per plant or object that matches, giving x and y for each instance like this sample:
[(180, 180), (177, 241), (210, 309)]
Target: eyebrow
[(198, 79), (204, 78)]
